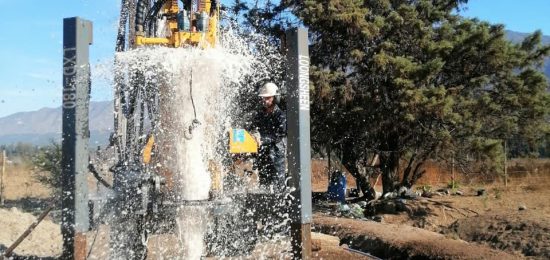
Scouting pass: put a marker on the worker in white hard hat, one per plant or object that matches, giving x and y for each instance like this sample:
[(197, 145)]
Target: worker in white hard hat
[(269, 129)]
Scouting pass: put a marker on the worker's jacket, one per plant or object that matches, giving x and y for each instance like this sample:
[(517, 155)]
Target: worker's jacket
[(272, 152)]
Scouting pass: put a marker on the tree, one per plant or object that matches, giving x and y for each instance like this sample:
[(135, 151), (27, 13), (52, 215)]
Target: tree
[(47, 162), (413, 81)]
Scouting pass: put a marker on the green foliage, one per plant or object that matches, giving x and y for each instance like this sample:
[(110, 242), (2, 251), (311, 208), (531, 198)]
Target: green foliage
[(453, 184), (413, 80), (47, 163), (425, 188)]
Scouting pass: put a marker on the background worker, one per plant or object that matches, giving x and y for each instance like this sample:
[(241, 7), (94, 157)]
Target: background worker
[(268, 127)]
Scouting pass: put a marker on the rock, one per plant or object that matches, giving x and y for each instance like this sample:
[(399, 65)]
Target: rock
[(409, 195), (427, 194), (390, 207), (377, 195), (402, 191), (481, 192), (400, 205), (390, 195), (444, 191), (343, 208), (522, 207), (378, 218), (362, 203), (459, 193)]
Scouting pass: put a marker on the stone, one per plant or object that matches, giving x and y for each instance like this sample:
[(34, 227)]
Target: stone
[(481, 192), (344, 208), (378, 218), (409, 195), (427, 194), (390, 207), (390, 195), (400, 205), (459, 193), (522, 207), (402, 191)]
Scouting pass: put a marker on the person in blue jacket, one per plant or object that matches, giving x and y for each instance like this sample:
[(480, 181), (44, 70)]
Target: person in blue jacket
[(268, 128)]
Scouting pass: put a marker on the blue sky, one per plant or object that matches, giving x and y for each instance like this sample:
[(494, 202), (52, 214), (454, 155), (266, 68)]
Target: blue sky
[(517, 15), (31, 42)]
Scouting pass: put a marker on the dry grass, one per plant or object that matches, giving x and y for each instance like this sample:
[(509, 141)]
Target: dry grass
[(19, 183)]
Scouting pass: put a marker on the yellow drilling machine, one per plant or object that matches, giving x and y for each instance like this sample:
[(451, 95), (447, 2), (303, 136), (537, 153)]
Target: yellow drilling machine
[(137, 191), (146, 199)]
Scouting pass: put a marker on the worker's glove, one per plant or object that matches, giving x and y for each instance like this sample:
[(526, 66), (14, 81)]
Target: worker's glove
[(256, 136)]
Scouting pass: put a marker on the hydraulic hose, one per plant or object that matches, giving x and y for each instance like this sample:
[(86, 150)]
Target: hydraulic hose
[(195, 123)]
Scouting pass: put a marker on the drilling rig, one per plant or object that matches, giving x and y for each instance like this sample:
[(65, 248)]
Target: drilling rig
[(146, 199), (143, 197)]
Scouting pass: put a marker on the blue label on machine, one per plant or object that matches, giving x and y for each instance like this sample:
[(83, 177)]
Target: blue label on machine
[(238, 135)]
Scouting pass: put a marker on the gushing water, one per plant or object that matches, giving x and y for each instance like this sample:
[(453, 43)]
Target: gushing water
[(191, 94)]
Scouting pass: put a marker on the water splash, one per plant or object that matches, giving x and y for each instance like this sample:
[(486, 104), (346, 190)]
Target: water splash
[(215, 87)]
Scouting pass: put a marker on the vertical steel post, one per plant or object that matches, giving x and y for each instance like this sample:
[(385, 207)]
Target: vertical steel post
[(299, 147), (77, 36)]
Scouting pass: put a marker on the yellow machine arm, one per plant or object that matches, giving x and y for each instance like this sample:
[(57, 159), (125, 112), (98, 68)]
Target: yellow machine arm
[(192, 25), (240, 141)]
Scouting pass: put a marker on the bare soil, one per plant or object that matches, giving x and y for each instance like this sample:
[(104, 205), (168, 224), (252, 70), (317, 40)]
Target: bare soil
[(515, 232), (493, 220), (444, 226), (391, 241), (45, 240)]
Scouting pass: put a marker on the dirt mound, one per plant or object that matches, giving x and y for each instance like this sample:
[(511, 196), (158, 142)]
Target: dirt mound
[(517, 231), (45, 240), (402, 242)]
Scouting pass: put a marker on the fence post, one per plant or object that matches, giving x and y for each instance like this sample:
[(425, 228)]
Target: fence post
[(2, 177), (505, 165)]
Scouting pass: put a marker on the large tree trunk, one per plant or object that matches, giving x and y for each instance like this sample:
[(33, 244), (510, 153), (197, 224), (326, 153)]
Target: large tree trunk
[(389, 164), (350, 158)]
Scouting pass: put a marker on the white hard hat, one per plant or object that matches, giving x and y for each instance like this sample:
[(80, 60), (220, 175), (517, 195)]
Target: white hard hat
[(268, 90)]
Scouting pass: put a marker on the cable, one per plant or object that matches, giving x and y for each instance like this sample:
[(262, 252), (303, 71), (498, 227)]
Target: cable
[(191, 94), (195, 123)]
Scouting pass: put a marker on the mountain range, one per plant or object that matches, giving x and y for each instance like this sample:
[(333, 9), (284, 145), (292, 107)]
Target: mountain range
[(517, 37), (41, 126)]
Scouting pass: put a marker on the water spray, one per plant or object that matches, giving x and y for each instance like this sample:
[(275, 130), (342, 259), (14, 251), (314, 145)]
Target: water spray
[(169, 161)]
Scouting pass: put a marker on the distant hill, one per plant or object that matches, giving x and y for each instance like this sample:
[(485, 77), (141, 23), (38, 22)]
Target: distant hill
[(39, 127), (517, 37)]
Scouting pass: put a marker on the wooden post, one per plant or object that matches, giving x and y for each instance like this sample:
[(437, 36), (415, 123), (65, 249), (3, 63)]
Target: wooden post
[(2, 177), (453, 172), (505, 166)]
